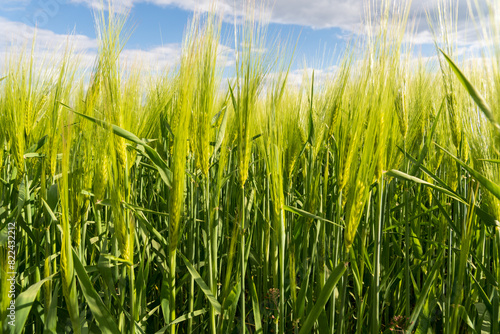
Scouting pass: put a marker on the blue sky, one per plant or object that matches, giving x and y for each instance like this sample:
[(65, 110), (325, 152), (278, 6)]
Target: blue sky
[(158, 26)]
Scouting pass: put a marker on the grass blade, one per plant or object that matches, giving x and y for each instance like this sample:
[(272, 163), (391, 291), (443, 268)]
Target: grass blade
[(488, 184), (476, 96), (256, 307), (424, 292), (187, 316), (99, 310), (306, 214), (158, 162), (25, 301), (403, 176), (324, 295), (201, 283)]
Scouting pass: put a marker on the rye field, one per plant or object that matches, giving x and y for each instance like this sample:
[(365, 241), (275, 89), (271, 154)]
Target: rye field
[(189, 201)]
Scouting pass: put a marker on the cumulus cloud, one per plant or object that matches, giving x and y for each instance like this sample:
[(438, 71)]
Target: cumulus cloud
[(50, 46), (18, 34), (13, 5), (118, 5), (298, 77), (17, 40), (154, 59), (318, 14), (348, 15)]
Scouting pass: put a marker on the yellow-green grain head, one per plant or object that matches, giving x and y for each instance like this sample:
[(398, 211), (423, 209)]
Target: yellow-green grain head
[(399, 106), (354, 212), (454, 119)]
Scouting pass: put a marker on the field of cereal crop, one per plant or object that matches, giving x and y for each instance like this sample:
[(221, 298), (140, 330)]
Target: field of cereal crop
[(189, 202)]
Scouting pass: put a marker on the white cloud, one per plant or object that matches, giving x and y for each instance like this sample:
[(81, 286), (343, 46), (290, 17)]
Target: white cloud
[(321, 75), (12, 5), (348, 15), (226, 56), (17, 33), (117, 5), (345, 14), (318, 14), (17, 37), (50, 46), (154, 59), (122, 5), (167, 56)]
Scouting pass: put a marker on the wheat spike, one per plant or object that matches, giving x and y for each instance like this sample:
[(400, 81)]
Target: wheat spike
[(455, 126), (354, 212)]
